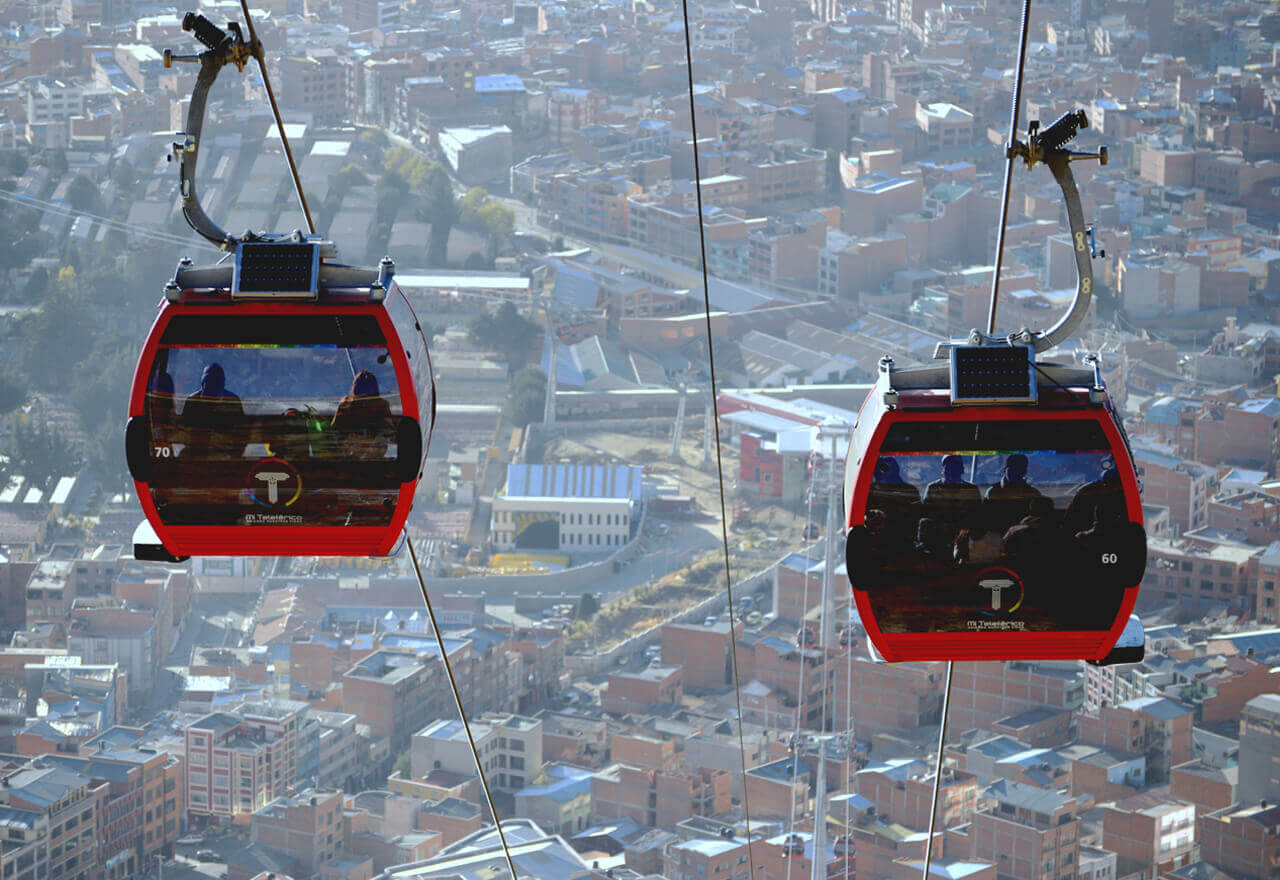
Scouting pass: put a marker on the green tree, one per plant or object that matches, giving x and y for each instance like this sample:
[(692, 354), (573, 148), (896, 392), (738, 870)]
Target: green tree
[(526, 397), (58, 335), (56, 162), (83, 195), (404, 765), (41, 452), (440, 210), (12, 395), (588, 605), (15, 163), (505, 331)]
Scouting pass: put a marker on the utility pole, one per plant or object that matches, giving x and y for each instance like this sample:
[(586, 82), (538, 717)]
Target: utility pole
[(832, 430)]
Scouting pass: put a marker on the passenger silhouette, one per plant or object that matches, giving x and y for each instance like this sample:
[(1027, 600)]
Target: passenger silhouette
[(1008, 501), (212, 416), (952, 499), (363, 420), (1101, 500), (160, 406), (899, 500)]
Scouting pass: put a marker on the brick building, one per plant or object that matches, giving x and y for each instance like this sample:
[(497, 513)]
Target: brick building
[(1028, 833), (1244, 841), (982, 693), (658, 798), (1150, 833), (1157, 728)]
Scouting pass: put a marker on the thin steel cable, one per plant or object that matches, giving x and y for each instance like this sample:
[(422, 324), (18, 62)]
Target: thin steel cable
[(457, 699), (795, 734), (715, 417), (67, 211), (1010, 158), (937, 773), (275, 110)]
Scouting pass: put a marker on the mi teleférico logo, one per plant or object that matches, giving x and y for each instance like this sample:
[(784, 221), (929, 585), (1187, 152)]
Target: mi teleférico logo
[(273, 482)]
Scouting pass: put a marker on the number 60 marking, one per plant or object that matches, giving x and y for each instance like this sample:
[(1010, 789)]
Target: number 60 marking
[(1110, 558)]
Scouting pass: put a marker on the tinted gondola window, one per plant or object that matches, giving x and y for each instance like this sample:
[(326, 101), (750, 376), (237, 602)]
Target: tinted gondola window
[(995, 526), (266, 420)]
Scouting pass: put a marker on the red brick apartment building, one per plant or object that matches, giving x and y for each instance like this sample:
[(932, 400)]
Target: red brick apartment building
[(703, 651), (658, 798), (308, 827), (638, 691), (701, 858), (779, 789), (983, 693), (902, 791), (233, 766), (1244, 841), (1149, 833), (1157, 728), (888, 697), (1028, 833), (1209, 788)]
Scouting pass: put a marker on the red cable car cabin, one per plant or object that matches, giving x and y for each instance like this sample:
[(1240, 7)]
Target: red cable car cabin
[(269, 427), (992, 530)]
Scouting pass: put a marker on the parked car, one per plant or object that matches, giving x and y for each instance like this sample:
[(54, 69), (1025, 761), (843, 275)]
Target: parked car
[(207, 855)]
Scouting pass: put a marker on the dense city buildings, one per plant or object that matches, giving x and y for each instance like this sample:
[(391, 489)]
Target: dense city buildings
[(620, 437)]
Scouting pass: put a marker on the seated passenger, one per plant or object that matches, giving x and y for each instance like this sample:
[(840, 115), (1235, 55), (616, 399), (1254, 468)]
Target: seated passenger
[(211, 416), (363, 421), (952, 498), (1099, 500), (934, 540), (1008, 501), (899, 500), (160, 405)]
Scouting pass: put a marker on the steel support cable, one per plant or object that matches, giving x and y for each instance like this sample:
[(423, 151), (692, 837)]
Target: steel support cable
[(800, 700), (256, 47), (64, 210), (457, 699), (937, 774), (711, 367), (1010, 159)]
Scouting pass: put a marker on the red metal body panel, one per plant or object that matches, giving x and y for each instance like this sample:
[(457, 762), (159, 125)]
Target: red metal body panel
[(932, 406), (279, 540)]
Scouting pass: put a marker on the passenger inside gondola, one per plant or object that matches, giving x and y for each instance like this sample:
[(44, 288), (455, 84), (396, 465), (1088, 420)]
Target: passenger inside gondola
[(363, 420), (1008, 501), (899, 500), (211, 415)]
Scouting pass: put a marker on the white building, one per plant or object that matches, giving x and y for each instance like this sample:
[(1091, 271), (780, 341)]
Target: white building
[(509, 745), (580, 508), (478, 153)]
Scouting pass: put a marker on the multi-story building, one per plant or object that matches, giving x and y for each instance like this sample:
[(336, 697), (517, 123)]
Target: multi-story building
[(902, 790), (394, 692), (510, 747), (725, 859), (307, 826), (703, 651), (1157, 728), (1028, 833), (1242, 840), (566, 507), (68, 801), (982, 693), (1149, 832), (1179, 484), (24, 853), (235, 765), (1260, 750), (316, 82), (560, 802), (658, 798), (1200, 571), (638, 691)]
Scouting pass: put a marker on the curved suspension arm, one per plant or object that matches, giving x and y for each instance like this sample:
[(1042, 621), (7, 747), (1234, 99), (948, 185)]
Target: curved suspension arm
[(223, 48), (1049, 146), (1059, 162)]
